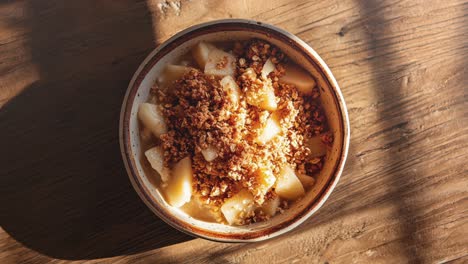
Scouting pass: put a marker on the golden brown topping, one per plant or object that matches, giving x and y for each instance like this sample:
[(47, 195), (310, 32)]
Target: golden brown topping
[(201, 115)]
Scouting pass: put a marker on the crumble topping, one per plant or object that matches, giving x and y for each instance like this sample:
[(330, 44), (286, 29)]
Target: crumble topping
[(199, 115)]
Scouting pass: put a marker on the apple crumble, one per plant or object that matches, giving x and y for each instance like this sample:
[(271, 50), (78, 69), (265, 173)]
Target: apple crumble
[(236, 133)]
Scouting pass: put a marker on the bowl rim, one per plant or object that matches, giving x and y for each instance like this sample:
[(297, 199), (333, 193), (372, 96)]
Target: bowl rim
[(211, 27)]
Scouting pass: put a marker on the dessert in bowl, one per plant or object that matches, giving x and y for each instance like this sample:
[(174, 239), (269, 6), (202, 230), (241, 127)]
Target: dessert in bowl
[(234, 131)]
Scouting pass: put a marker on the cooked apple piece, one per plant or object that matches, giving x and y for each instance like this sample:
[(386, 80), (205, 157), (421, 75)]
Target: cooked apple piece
[(201, 51), (316, 146), (265, 180), (145, 134), (210, 153), (230, 86), (220, 63), (172, 73), (263, 98), (197, 209), (155, 157), (185, 63), (298, 77), (179, 187), (268, 101), (238, 207), (152, 119), (306, 180), (270, 130), (270, 207), (288, 186), (250, 73), (268, 67)]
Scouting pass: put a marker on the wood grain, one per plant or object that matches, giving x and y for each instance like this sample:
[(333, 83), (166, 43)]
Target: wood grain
[(64, 194)]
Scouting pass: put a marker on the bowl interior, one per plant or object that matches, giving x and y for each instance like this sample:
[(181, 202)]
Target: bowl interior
[(145, 179)]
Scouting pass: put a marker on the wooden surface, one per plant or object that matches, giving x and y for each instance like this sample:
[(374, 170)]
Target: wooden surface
[(64, 193)]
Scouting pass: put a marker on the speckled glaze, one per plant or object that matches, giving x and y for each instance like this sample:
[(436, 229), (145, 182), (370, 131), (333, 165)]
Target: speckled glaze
[(222, 30)]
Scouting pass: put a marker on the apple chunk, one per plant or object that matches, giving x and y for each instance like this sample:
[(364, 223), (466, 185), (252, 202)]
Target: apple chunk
[(298, 77), (267, 68), (210, 153), (270, 130), (259, 93), (179, 188), (232, 89), (152, 119), (236, 208), (200, 53), (220, 63), (155, 157), (316, 146), (288, 186), (306, 180), (265, 180), (268, 98), (263, 97), (172, 73), (270, 207), (197, 209)]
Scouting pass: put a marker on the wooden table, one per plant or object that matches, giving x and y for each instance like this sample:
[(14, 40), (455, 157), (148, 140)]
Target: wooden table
[(64, 193)]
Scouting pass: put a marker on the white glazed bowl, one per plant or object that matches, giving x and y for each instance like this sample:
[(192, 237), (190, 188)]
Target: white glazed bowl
[(222, 30)]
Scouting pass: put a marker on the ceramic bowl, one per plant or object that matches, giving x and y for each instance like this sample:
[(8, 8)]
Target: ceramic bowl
[(225, 30)]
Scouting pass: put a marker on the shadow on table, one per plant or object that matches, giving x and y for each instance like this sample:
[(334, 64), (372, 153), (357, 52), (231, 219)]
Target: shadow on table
[(64, 190), (388, 93)]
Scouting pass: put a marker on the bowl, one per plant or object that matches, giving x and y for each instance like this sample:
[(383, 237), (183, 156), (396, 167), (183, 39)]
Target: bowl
[(225, 30)]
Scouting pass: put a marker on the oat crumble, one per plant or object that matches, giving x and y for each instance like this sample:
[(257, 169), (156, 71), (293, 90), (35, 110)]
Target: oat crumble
[(200, 114)]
